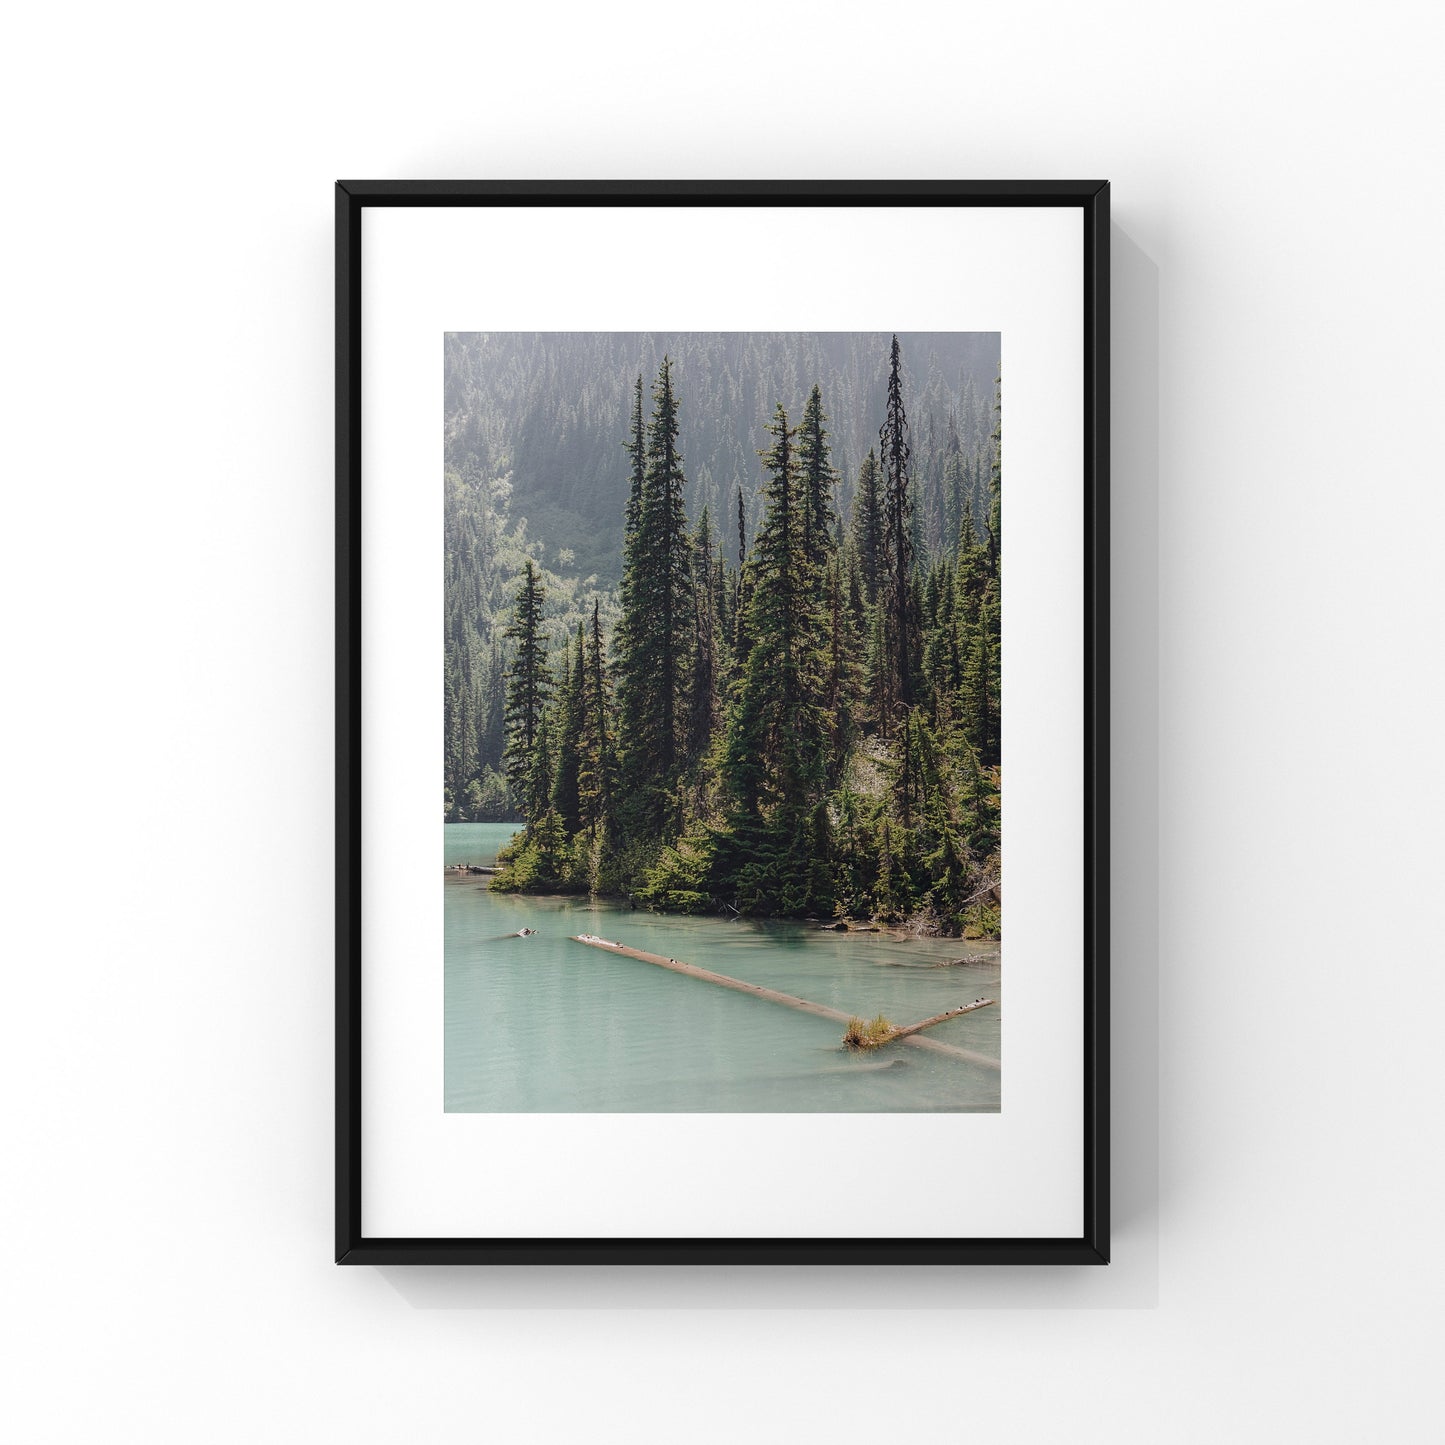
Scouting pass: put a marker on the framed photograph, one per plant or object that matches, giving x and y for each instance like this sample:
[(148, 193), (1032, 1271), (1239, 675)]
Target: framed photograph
[(722, 621)]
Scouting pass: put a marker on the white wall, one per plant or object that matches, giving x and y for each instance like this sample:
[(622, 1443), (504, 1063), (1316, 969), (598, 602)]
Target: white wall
[(165, 584)]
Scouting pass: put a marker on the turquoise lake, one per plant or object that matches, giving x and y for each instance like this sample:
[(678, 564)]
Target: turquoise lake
[(544, 1024)]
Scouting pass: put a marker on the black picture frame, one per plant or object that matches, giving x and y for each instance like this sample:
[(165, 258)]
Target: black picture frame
[(352, 1245)]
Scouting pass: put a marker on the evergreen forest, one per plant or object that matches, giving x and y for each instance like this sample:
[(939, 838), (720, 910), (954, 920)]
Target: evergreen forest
[(723, 619)]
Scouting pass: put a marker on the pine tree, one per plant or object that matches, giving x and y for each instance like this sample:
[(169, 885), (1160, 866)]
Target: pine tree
[(935, 517), (970, 493), (941, 664), (929, 533), (776, 754), (636, 448), (908, 767), (722, 589), (540, 769), (901, 625), (868, 527), (529, 686), (468, 695), (571, 725), (597, 765), (741, 595), (657, 623), (954, 480), (816, 478), (845, 672), (702, 684), (892, 894), (492, 734), (977, 694)]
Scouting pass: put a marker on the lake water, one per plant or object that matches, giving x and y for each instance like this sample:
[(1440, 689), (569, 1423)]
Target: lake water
[(544, 1024)]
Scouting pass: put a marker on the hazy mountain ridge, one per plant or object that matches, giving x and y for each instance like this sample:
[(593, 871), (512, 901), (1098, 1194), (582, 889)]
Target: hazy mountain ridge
[(549, 410)]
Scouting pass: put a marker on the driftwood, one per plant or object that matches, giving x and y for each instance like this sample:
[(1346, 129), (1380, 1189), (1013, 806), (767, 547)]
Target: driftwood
[(706, 975), (911, 1029)]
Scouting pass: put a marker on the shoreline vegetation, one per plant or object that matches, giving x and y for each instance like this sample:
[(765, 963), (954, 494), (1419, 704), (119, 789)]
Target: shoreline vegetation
[(811, 733), (906, 929)]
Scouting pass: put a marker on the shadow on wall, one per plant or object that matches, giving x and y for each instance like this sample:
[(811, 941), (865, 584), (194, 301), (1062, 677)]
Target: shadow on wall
[(1132, 1280)]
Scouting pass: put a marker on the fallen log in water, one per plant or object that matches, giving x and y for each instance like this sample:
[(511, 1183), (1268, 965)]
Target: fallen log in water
[(893, 1036), (771, 995)]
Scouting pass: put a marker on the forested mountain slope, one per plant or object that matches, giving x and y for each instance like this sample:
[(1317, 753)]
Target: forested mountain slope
[(548, 411)]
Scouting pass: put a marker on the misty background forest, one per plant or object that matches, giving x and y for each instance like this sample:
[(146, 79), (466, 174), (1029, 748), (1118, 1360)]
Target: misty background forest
[(723, 618)]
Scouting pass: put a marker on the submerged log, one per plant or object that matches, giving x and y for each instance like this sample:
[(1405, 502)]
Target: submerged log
[(771, 995), (911, 1029)]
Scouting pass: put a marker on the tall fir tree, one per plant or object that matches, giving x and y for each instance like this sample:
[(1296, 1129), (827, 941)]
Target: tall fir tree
[(541, 772), (571, 725), (868, 527), (657, 622), (636, 449), (817, 479), (844, 670), (723, 596), (635, 445), (901, 623), (702, 694), (597, 765), (740, 640), (776, 753), (529, 687)]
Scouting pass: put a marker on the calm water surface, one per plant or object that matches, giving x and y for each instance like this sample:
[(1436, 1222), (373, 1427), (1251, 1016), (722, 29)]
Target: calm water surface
[(543, 1024)]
